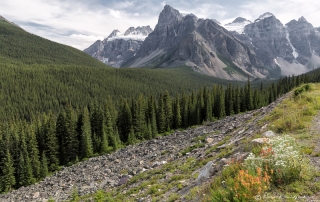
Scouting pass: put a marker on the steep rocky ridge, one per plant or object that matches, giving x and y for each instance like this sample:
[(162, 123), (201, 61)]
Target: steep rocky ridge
[(286, 49), (118, 47), (106, 172), (202, 44)]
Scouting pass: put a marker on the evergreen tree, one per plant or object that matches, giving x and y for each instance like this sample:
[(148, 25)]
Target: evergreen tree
[(71, 142), (86, 148), (161, 116), (33, 152), (177, 114), (44, 166), (124, 121), (108, 124), (61, 130), (7, 179), (248, 96), (52, 145), (152, 117)]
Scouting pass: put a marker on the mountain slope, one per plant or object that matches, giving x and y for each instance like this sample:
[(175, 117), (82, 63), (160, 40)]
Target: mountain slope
[(38, 75), (290, 49), (119, 47), (201, 44)]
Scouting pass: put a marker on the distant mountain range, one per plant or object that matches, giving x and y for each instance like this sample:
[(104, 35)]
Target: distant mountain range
[(264, 48)]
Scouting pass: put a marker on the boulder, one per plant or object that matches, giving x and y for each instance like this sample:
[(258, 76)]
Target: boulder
[(36, 195), (269, 134)]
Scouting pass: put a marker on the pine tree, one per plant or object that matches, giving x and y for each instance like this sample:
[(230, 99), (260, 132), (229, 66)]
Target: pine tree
[(177, 114), (108, 126), (71, 142), (33, 153), (86, 148), (124, 121), (61, 130), (152, 117), (237, 100), (7, 179), (52, 145), (44, 166), (248, 96), (161, 116)]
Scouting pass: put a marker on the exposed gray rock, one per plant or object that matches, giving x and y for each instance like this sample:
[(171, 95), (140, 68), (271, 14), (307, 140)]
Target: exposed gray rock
[(103, 173), (269, 134), (118, 47), (260, 141), (202, 44)]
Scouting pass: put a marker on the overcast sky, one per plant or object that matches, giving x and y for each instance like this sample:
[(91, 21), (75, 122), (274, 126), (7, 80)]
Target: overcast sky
[(79, 23)]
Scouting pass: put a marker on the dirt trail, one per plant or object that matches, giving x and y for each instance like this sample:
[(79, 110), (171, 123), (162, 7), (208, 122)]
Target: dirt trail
[(315, 160)]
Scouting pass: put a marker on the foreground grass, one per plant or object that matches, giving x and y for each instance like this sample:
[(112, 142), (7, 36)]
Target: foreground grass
[(265, 177), (291, 119)]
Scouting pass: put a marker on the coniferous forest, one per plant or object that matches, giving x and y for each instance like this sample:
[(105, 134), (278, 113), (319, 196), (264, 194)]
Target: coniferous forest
[(59, 106)]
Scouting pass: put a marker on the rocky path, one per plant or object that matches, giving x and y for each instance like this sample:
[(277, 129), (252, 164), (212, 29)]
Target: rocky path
[(315, 159), (108, 170)]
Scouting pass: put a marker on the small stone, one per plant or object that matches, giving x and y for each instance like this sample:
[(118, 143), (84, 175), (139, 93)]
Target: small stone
[(209, 140), (36, 195), (260, 141), (141, 162), (269, 134)]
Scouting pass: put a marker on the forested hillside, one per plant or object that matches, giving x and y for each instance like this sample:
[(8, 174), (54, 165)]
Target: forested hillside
[(31, 151), (59, 105), (38, 75)]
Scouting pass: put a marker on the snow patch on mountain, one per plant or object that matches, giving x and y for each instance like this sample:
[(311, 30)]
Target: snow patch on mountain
[(294, 53), (264, 16), (237, 25), (137, 34), (128, 37)]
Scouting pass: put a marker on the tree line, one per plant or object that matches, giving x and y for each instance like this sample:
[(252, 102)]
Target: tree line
[(30, 151)]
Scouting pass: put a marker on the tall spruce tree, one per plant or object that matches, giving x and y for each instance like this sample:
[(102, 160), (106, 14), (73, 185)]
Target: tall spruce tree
[(44, 166), (7, 179), (52, 145), (86, 147)]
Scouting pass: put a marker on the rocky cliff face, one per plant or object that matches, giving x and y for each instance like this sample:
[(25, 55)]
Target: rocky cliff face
[(118, 47), (306, 40), (264, 48), (289, 49), (202, 44)]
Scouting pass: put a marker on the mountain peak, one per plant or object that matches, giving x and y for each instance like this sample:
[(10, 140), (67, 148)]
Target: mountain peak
[(302, 19), (169, 14), (264, 16), (144, 31), (237, 25), (114, 33), (240, 20)]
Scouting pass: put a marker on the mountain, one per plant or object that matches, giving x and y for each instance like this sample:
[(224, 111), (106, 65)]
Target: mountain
[(292, 48), (119, 47), (237, 25), (3, 19), (199, 43)]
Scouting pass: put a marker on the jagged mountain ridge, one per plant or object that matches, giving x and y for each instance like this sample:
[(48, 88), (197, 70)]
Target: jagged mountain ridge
[(264, 48), (293, 48), (119, 47), (200, 43)]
